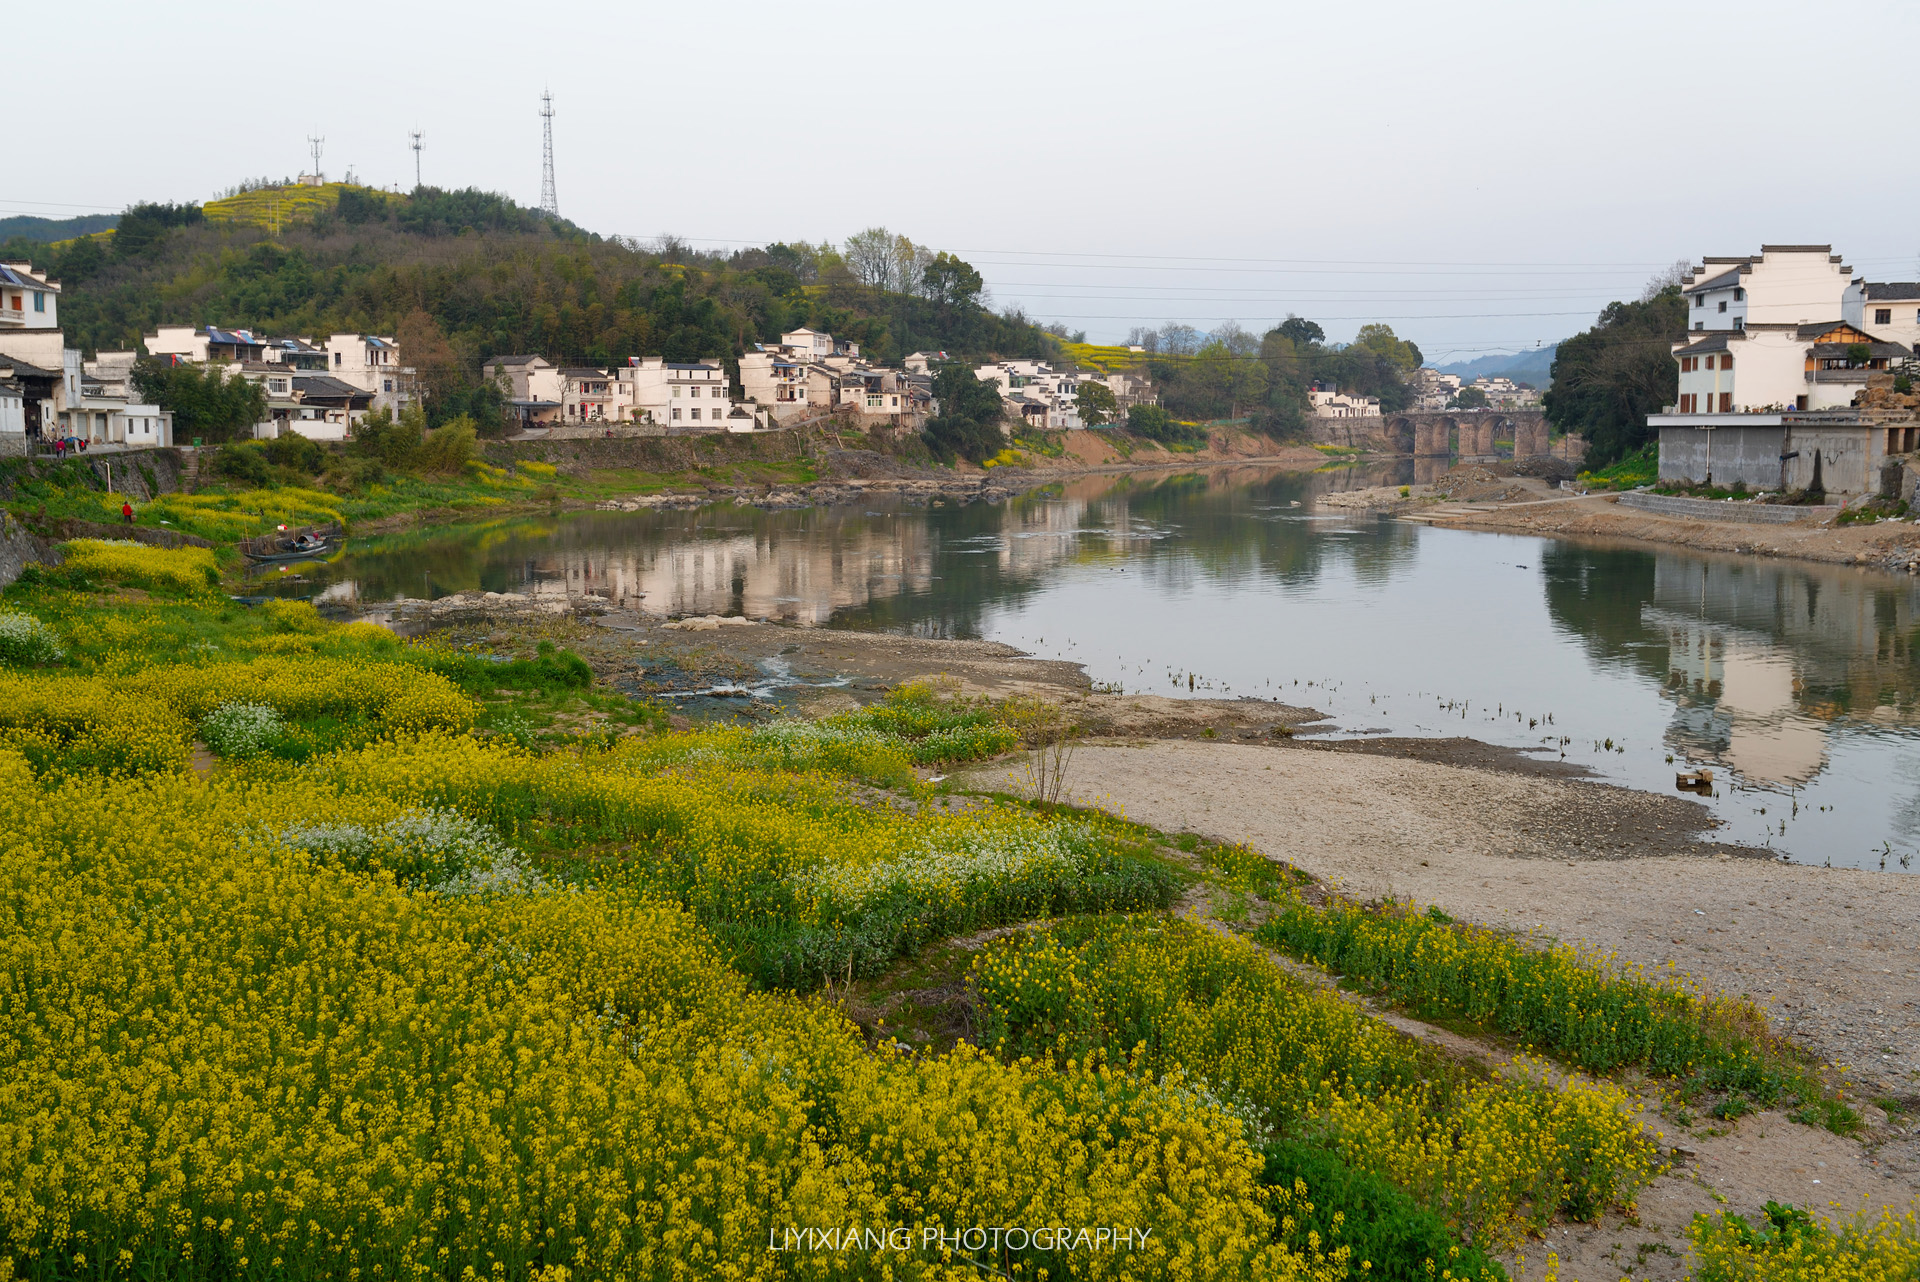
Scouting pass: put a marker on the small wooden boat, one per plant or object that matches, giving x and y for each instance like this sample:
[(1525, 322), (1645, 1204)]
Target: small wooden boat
[(304, 546)]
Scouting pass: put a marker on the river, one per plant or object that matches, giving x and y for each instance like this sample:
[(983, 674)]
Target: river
[(1794, 683)]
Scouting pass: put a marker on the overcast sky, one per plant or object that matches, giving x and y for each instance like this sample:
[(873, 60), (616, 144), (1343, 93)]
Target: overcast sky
[(1482, 176)]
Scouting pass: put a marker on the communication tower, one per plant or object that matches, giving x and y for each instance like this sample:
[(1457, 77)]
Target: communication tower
[(413, 140), (549, 202), (315, 144)]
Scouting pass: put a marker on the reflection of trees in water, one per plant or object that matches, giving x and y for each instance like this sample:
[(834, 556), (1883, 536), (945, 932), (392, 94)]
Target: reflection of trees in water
[(1596, 596)]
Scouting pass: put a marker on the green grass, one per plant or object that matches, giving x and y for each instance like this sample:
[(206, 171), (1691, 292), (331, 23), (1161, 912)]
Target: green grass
[(1582, 1009), (1631, 472)]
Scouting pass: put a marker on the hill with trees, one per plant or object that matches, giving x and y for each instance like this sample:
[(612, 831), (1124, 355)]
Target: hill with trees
[(460, 276), (1534, 368), (28, 227)]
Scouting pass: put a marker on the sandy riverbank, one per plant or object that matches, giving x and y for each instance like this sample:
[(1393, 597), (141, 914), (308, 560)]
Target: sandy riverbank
[(1491, 498)]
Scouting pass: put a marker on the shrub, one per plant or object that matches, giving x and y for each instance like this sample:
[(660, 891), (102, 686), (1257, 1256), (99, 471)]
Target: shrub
[(296, 453), (27, 642), (243, 462), (241, 729), (447, 448), (1152, 423)]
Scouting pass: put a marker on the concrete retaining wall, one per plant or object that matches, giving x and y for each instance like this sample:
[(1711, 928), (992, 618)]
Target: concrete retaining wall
[(1748, 454), (1712, 510)]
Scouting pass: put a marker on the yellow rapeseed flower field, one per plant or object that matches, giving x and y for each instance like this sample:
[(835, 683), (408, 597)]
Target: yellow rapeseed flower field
[(389, 998)]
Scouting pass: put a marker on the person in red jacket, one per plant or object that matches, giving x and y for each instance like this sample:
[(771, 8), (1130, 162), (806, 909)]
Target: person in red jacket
[(126, 510)]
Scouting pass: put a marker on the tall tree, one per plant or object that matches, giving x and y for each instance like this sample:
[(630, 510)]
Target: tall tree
[(1096, 404), (1300, 331), (204, 402), (951, 282), (870, 256), (1609, 378), (968, 423)]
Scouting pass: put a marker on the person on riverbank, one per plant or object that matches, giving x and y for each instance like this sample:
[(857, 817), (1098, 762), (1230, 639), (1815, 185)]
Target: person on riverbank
[(126, 510)]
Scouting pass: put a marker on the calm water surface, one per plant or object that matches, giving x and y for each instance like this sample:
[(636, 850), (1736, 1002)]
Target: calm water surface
[(1795, 684)]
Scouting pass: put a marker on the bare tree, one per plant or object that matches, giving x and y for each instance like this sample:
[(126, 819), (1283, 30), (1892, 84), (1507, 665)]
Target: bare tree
[(870, 257), (910, 262), (1673, 275)]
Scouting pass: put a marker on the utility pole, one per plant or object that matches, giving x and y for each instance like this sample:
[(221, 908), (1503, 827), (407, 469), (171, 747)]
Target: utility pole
[(549, 201), (315, 144), (413, 140)]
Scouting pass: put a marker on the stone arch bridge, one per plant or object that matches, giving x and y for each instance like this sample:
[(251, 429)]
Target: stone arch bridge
[(1471, 434)]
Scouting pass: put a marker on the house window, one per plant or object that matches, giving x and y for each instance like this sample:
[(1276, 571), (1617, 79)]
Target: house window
[(1740, 295), (1699, 300), (1726, 360), (1726, 402), (1723, 304), (338, 359), (696, 413), (694, 392), (676, 392), (388, 384), (1881, 316), (1709, 362), (676, 413), (16, 302), (39, 301)]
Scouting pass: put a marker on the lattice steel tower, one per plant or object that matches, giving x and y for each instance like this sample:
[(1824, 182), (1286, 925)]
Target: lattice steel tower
[(413, 141), (549, 202)]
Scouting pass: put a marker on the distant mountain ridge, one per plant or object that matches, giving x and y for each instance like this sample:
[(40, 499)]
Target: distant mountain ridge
[(1535, 367), (49, 230)]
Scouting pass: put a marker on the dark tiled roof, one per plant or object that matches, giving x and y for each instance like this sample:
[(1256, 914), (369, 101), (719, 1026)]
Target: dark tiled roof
[(1817, 329), (12, 276), (1724, 280), (1712, 343), (1893, 291), (511, 360), (1876, 348), (321, 386)]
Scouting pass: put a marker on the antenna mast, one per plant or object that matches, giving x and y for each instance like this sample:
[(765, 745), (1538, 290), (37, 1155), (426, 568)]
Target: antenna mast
[(549, 202), (413, 140), (315, 144)]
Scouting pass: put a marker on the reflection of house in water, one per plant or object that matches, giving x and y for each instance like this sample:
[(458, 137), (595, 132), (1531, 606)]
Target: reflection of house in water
[(1764, 660), (802, 575), (1738, 704)]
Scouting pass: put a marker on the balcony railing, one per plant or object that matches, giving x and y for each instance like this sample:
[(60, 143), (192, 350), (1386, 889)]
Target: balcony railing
[(1840, 375)]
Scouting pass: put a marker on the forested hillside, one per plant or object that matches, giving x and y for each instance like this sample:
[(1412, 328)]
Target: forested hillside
[(467, 275)]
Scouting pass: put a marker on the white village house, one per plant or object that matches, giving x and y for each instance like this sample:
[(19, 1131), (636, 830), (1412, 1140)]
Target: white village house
[(49, 391), (1769, 375)]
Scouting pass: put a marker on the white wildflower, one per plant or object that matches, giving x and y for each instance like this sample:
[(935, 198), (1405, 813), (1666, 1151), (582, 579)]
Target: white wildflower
[(237, 729)]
